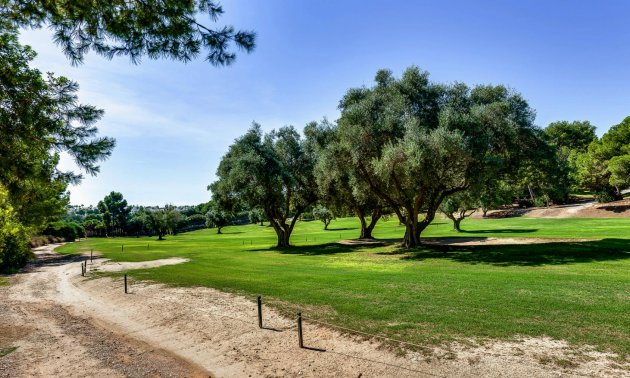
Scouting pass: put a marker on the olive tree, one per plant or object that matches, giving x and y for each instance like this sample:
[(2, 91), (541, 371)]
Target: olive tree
[(218, 218), (338, 188), (413, 142), (273, 172), (459, 206), (323, 214)]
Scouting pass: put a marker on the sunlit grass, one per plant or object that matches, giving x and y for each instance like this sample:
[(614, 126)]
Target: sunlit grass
[(576, 291)]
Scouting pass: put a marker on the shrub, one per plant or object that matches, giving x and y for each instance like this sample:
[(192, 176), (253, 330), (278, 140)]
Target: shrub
[(14, 251), (603, 197), (69, 231)]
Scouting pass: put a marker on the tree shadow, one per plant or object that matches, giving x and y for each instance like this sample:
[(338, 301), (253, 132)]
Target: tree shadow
[(317, 249), (501, 231), (615, 208), (556, 253), (342, 229)]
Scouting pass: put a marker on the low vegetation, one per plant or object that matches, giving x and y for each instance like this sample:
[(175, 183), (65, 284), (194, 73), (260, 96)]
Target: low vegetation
[(576, 291)]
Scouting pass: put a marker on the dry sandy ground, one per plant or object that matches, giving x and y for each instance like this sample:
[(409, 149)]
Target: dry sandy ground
[(588, 209), (66, 325)]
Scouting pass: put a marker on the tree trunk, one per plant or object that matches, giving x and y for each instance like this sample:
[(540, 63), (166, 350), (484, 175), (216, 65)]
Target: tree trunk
[(412, 236), (326, 223), (456, 224), (219, 230), (531, 194), (412, 232), (485, 211), (160, 236), (282, 232), (283, 237), (366, 230)]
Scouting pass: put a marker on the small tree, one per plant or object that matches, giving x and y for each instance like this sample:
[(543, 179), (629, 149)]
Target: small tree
[(619, 167), (459, 206), (156, 220), (173, 219), (256, 215), (115, 211), (323, 214), (494, 194), (218, 218)]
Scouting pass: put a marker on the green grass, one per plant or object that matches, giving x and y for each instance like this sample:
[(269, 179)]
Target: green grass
[(5, 351), (4, 281), (578, 291)]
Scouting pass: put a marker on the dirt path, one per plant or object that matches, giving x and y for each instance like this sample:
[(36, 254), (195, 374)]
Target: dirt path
[(67, 325)]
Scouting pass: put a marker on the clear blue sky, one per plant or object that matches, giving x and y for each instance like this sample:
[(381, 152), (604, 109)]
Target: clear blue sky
[(174, 121)]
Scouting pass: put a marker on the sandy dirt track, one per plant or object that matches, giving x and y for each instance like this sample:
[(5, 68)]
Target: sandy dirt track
[(66, 325)]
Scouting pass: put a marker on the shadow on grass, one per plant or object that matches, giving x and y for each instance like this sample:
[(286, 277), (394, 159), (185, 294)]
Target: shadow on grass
[(502, 231), (342, 229), (317, 249), (526, 254)]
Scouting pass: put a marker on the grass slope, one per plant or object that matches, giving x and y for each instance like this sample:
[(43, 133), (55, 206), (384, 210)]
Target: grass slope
[(578, 291)]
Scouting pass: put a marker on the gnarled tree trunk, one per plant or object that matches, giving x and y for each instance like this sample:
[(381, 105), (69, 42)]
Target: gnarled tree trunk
[(366, 230)]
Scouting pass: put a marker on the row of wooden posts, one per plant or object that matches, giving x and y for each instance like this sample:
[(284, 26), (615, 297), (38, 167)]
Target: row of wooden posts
[(259, 302)]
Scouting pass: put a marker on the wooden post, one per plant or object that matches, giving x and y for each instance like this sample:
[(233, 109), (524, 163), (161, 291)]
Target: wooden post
[(125, 283), (82, 270), (92, 255), (299, 325), (259, 312)]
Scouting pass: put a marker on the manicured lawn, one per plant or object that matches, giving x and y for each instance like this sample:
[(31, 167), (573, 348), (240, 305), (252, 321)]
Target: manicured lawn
[(578, 291)]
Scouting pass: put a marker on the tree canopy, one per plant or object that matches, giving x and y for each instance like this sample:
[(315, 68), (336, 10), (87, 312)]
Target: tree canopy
[(576, 135), (273, 172), (41, 117), (414, 142), (153, 28), (115, 210)]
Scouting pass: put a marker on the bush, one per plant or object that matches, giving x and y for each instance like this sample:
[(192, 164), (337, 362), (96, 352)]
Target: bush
[(603, 197), (69, 231), (525, 203), (14, 251)]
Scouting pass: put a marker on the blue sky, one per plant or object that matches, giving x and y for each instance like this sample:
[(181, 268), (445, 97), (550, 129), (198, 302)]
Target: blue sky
[(174, 121)]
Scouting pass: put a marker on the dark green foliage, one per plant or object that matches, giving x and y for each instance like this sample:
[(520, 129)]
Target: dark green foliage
[(69, 231), (605, 168), (576, 135), (40, 116), (115, 211), (153, 28)]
